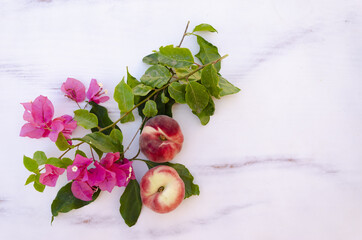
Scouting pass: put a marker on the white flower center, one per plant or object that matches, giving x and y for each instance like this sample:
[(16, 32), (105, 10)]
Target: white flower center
[(74, 168), (100, 84)]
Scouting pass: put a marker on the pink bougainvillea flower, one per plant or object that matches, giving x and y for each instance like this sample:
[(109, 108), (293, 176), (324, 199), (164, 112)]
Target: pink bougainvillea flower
[(39, 116), (64, 124), (109, 173), (74, 89), (78, 170), (82, 190), (94, 93), (51, 175)]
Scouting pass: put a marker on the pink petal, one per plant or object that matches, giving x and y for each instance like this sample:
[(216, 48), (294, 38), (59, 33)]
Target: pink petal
[(109, 182), (80, 165), (93, 89), (42, 110), (96, 175), (82, 191), (103, 99), (109, 159), (51, 175), (27, 116), (29, 130), (74, 89), (56, 128)]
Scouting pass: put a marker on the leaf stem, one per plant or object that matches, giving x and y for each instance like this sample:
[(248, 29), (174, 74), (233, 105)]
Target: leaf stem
[(70, 149), (185, 33), (129, 145)]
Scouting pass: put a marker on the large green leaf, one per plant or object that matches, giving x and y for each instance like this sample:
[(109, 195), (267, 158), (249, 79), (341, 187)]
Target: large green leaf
[(204, 27), (65, 201), (40, 157), (175, 57), (210, 80), (100, 141), (151, 59), (181, 72), (118, 139), (205, 114), (196, 96), (30, 164), (141, 90), (150, 108), (124, 97), (156, 76), (208, 52), (226, 87), (103, 118), (185, 175), (131, 203), (177, 91), (85, 119)]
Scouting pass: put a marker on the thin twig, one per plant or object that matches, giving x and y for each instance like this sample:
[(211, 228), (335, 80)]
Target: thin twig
[(138, 153), (70, 149), (185, 33), (91, 152), (129, 145)]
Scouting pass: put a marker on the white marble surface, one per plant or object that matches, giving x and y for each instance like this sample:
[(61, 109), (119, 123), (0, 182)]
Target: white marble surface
[(280, 160)]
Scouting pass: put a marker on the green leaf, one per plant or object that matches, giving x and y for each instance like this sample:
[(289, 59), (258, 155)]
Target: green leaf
[(177, 91), (60, 163), (80, 152), (210, 80), (40, 157), (30, 164), (196, 96), (185, 175), (118, 138), (38, 186), (226, 87), (100, 141), (151, 59), (208, 111), (180, 72), (124, 97), (204, 27), (65, 200), (175, 57), (208, 52), (103, 118), (30, 179), (150, 109), (131, 203), (131, 80), (164, 98), (62, 143), (162, 108), (141, 90), (156, 76), (85, 119)]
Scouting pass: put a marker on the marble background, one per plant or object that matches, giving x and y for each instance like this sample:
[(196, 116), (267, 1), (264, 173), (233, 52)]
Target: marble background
[(280, 160)]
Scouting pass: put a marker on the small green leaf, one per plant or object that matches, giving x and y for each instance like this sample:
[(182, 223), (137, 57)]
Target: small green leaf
[(162, 108), (37, 185), (62, 143), (124, 97), (60, 163), (175, 57), (185, 175), (204, 27), (208, 111), (141, 90), (80, 152), (196, 96), (103, 118), (210, 80), (131, 203), (208, 53), (151, 59), (30, 179), (150, 109), (30, 164), (118, 138), (65, 200), (131, 80), (226, 87), (100, 141), (177, 91), (85, 119), (40, 157), (164, 99), (156, 76)]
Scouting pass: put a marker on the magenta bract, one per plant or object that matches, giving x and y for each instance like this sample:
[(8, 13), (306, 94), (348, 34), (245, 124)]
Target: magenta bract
[(94, 93), (74, 89), (51, 175)]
